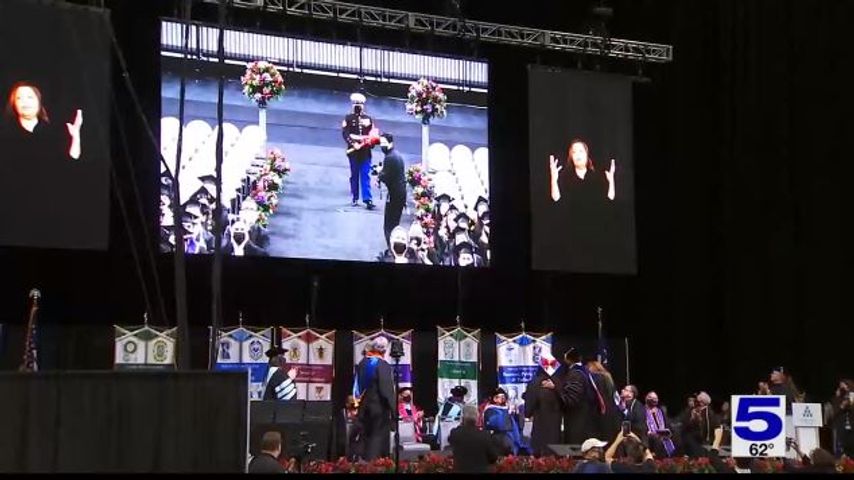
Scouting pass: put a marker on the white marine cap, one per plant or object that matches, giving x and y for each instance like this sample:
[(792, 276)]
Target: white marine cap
[(358, 98)]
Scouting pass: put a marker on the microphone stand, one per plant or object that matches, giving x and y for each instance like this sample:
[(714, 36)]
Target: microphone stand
[(396, 354)]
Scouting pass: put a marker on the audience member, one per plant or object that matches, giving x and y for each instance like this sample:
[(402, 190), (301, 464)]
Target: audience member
[(473, 449), (593, 457), (636, 456), (267, 461)]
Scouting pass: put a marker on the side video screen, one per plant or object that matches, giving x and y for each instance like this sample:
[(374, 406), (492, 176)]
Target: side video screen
[(582, 172)]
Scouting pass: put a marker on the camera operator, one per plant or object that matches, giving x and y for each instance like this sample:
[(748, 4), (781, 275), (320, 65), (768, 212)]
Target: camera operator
[(392, 174)]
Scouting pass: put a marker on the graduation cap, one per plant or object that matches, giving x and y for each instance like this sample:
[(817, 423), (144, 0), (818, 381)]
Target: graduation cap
[(463, 247), (480, 204), (571, 354), (461, 235), (459, 391), (444, 196), (275, 351), (209, 183)]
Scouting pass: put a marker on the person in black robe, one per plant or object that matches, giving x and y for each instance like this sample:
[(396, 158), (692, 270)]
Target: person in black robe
[(377, 404), (544, 405), (281, 380), (393, 174), (608, 424), (582, 401), (240, 244)]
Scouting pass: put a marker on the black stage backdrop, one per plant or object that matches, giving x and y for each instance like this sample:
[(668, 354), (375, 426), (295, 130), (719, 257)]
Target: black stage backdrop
[(741, 194), (105, 422)]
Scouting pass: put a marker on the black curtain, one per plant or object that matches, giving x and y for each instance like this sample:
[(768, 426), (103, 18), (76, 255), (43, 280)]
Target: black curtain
[(101, 422)]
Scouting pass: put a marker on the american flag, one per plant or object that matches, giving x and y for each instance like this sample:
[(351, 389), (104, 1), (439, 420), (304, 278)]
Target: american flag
[(31, 355)]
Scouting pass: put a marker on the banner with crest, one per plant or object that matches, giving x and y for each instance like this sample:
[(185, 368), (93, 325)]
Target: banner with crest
[(459, 362), (518, 361), (362, 340), (244, 349), (144, 348), (312, 352)]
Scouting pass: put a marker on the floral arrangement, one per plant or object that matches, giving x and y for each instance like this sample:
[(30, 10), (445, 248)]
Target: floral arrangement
[(426, 101), (268, 185), (262, 82), (845, 465), (423, 194), (433, 463), (511, 464), (380, 465)]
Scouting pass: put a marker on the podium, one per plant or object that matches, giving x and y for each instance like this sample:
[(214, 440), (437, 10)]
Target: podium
[(806, 422), (299, 422)]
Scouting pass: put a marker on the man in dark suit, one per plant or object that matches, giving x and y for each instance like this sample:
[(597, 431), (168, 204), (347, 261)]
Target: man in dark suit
[(633, 411), (268, 460), (583, 401), (698, 426), (473, 449), (375, 391), (394, 176)]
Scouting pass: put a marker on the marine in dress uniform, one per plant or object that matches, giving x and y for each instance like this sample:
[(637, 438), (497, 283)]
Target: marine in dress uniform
[(361, 136)]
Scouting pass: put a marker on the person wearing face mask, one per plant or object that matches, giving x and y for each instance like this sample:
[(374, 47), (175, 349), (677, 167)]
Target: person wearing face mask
[(440, 214), (240, 245), (408, 412), (394, 177), (464, 255), (480, 233), (360, 136), (418, 244), (658, 428), (257, 234), (399, 250)]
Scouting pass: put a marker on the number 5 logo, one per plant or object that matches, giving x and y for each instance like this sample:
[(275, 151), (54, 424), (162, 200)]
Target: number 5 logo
[(748, 411)]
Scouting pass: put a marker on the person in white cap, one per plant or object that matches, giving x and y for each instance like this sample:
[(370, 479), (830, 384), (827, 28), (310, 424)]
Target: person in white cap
[(359, 133), (592, 451)]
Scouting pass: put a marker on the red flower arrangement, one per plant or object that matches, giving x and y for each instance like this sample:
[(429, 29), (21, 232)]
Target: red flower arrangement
[(512, 464), (262, 82), (426, 101), (845, 465)]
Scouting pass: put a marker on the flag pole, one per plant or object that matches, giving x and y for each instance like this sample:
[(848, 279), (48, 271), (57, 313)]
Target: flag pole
[(599, 333)]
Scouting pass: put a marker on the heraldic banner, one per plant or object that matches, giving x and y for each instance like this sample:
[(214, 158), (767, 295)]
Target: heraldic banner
[(362, 340), (518, 361), (459, 362), (144, 348), (312, 352), (243, 349)]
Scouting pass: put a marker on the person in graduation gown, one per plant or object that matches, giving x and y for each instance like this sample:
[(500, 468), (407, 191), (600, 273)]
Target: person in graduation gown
[(544, 405), (451, 408), (407, 411), (610, 423), (659, 434), (583, 403), (374, 389), (781, 384), (503, 427), (280, 379)]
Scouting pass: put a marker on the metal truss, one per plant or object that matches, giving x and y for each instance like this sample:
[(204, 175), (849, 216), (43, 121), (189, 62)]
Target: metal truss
[(466, 29)]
